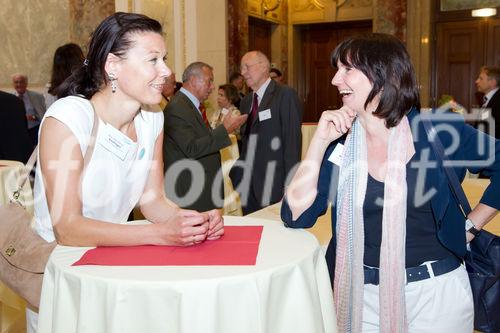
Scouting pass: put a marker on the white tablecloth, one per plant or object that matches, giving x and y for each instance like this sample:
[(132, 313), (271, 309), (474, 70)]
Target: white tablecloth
[(288, 290)]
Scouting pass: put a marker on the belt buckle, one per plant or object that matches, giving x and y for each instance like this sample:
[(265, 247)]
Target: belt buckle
[(419, 273), (429, 269)]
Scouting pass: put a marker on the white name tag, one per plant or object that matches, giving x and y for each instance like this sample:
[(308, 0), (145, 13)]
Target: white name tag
[(336, 155), (485, 114), (264, 115), (115, 141)]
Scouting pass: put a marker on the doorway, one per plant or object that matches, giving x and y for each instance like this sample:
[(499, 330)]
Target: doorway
[(315, 71), (259, 35)]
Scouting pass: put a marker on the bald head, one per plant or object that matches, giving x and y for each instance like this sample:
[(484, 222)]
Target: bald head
[(20, 82), (255, 69)]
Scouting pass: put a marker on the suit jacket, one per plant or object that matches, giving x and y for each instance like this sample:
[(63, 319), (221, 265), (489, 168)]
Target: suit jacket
[(450, 223), (494, 105), (271, 149), (188, 139), (15, 143), (38, 102)]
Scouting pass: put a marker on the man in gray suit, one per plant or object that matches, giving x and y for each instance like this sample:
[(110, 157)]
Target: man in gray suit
[(271, 141), (34, 104), (193, 177)]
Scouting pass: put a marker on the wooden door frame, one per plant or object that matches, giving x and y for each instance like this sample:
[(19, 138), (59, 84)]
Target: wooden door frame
[(442, 17), (296, 58)]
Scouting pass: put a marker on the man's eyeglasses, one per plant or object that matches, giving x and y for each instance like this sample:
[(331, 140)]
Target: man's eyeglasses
[(246, 67)]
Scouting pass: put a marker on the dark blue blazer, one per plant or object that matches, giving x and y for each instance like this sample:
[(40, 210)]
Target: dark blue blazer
[(447, 214)]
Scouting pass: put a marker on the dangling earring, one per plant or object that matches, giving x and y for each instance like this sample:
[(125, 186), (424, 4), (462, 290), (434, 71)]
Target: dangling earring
[(112, 79)]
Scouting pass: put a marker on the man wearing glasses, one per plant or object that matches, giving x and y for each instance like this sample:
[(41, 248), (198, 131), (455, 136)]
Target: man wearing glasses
[(271, 138)]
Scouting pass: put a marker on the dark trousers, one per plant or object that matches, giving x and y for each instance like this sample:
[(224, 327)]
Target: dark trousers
[(33, 133)]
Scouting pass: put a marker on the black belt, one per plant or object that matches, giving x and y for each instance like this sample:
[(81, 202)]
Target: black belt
[(416, 273)]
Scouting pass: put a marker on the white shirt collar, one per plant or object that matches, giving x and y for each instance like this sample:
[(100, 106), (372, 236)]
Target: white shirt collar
[(489, 95), (262, 89), (191, 97)]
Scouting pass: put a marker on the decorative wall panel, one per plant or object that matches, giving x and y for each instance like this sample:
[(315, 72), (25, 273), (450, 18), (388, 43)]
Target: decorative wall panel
[(269, 10), (320, 11), (447, 5)]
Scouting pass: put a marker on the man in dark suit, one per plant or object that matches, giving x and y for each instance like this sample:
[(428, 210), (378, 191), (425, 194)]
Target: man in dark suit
[(271, 139), (15, 142), (191, 148), (488, 82)]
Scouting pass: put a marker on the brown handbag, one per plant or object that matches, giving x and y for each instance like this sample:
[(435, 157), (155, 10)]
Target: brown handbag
[(24, 254)]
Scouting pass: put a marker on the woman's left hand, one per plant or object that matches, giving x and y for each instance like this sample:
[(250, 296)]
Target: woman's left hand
[(215, 224)]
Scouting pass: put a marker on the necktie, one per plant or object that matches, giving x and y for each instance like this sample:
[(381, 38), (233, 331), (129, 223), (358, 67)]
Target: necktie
[(253, 113), (203, 111), (485, 100)]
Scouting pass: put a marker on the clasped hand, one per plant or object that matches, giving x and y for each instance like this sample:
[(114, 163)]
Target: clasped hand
[(189, 227)]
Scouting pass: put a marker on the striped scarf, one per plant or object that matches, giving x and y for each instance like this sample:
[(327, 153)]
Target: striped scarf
[(349, 275)]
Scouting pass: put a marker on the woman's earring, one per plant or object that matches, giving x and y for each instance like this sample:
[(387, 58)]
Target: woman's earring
[(112, 79)]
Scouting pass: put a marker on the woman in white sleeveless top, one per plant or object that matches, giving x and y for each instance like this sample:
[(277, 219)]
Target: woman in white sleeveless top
[(124, 68)]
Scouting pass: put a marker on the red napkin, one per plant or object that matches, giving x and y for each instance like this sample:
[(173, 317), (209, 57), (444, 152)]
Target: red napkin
[(238, 246)]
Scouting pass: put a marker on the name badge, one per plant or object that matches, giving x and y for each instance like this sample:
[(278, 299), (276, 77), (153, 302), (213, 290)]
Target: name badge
[(264, 115), (115, 141), (485, 114), (336, 155)]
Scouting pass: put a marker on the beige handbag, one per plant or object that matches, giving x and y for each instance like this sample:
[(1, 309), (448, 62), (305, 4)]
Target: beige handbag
[(24, 254)]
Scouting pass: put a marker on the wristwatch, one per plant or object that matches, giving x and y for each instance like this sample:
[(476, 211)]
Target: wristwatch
[(470, 227)]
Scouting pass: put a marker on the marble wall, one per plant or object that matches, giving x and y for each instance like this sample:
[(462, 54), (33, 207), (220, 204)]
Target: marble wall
[(29, 38), (237, 37), (85, 16), (389, 16)]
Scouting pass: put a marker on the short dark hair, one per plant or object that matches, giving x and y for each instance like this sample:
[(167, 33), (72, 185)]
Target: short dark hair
[(67, 58), (385, 62), (111, 36), (231, 92), (492, 73), (277, 71), (178, 86), (234, 76)]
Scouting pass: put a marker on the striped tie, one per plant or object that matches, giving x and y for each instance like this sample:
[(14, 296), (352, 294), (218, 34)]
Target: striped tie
[(203, 111)]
